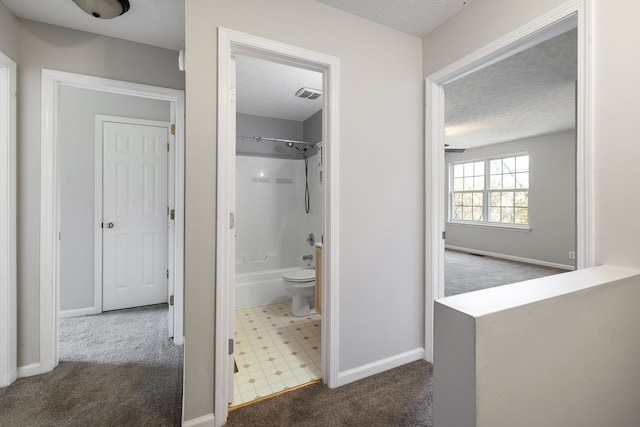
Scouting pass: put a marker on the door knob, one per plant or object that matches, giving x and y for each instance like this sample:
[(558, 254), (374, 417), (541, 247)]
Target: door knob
[(109, 225)]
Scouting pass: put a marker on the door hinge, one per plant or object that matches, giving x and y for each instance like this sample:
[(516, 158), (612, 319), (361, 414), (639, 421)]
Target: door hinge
[(232, 220), (230, 346), (168, 146), (171, 300), (172, 215), (443, 235), (173, 129), (167, 274)]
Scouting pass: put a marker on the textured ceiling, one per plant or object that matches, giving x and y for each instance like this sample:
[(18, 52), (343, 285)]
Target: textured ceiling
[(157, 23), (531, 93), (161, 22), (417, 17), (268, 89)]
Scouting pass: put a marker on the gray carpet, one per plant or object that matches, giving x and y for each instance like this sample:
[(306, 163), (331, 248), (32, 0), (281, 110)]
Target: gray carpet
[(399, 397), (116, 369), (466, 272)]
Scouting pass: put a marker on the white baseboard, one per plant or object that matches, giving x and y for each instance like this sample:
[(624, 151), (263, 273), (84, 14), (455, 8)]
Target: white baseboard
[(512, 258), (29, 370), (204, 421), (373, 368), (78, 312)]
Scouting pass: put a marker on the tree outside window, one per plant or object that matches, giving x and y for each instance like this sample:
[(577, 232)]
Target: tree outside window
[(493, 191)]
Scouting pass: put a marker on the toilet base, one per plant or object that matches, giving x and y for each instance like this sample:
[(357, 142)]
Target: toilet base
[(300, 306)]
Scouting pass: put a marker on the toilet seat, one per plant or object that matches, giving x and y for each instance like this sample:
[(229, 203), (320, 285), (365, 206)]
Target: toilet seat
[(300, 276)]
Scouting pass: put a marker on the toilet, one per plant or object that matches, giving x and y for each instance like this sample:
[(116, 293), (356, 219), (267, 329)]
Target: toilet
[(301, 285)]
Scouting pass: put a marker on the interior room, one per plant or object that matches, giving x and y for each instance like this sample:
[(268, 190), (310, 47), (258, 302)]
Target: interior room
[(400, 351), (513, 218)]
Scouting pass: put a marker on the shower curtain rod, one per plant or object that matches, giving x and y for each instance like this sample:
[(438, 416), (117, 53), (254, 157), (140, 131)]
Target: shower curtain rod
[(264, 138)]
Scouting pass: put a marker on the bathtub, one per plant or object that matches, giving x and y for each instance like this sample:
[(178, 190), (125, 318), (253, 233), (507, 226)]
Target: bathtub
[(261, 288)]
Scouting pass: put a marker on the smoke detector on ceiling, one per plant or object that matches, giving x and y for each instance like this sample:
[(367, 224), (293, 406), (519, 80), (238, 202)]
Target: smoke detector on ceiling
[(307, 93)]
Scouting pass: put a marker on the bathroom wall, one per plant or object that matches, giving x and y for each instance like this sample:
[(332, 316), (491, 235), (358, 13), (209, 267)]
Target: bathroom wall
[(312, 128), (268, 217), (271, 223), (266, 127), (312, 132)]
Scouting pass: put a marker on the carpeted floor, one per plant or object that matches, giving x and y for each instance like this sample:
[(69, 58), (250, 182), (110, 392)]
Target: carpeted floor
[(466, 272), (119, 369), (399, 397), (116, 369)]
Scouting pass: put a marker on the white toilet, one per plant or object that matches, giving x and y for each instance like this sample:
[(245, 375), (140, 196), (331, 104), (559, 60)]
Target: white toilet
[(301, 285)]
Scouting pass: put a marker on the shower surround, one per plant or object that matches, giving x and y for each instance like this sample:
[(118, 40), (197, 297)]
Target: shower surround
[(272, 226)]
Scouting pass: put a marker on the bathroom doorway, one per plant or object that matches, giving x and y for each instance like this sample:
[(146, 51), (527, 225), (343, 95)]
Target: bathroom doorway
[(279, 226), (232, 44)]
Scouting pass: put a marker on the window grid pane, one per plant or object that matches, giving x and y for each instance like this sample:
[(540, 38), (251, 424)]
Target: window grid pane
[(507, 193), (468, 205), (509, 207), (509, 173)]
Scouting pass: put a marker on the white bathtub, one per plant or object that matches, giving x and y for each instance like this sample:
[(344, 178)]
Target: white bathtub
[(261, 288)]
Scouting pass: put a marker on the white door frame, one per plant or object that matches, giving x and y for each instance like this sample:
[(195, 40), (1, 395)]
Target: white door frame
[(98, 211), (559, 20), (8, 308), (234, 42), (49, 205)]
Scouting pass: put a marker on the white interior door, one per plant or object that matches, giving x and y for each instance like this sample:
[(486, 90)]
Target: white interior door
[(135, 253)]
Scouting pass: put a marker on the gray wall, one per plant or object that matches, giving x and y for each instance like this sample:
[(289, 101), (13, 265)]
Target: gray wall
[(381, 263), (76, 156), (313, 128), (250, 125), (552, 210), (309, 130), (8, 33), (615, 124), (46, 46), (615, 152)]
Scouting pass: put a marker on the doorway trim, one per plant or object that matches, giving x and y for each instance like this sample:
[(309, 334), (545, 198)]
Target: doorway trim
[(8, 249), (49, 222), (569, 15), (232, 42)]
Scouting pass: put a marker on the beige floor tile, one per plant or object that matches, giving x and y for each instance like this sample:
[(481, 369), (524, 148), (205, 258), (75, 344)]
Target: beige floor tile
[(278, 366)]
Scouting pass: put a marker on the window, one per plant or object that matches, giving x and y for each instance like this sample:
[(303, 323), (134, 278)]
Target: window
[(491, 191)]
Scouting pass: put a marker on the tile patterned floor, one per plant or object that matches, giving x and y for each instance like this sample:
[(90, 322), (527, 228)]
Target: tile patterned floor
[(274, 351)]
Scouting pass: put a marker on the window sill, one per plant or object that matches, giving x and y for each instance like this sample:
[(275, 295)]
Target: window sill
[(513, 227)]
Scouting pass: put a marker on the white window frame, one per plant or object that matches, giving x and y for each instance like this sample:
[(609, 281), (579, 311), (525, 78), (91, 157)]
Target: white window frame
[(486, 191)]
